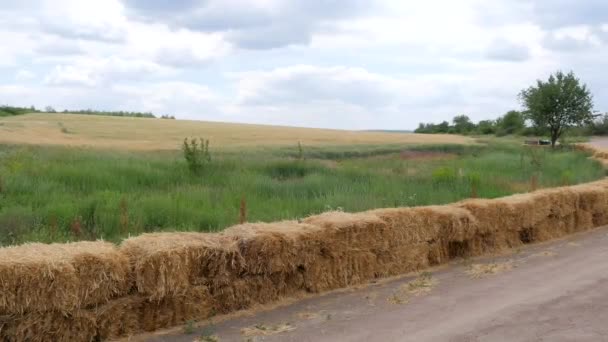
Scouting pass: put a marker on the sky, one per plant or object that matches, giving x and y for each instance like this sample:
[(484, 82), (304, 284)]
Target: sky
[(348, 64)]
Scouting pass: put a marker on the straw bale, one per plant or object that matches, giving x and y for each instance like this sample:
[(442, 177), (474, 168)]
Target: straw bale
[(48, 326), (61, 277), (351, 230), (167, 264), (279, 247), (427, 224), (135, 313)]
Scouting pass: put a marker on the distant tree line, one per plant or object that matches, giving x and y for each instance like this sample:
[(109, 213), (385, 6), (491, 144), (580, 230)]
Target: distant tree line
[(108, 113), (512, 122), (552, 107), (10, 111)]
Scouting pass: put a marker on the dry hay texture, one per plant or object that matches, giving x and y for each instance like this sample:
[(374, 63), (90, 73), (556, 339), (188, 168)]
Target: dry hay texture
[(96, 291)]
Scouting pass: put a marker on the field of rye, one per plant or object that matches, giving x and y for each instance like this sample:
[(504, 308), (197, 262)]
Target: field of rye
[(57, 194)]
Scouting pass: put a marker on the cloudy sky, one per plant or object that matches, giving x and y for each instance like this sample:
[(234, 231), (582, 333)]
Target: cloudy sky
[(354, 64)]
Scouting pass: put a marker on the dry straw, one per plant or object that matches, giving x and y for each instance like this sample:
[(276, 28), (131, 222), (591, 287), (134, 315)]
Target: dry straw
[(60, 277)]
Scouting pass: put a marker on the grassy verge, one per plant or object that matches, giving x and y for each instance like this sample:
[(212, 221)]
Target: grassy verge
[(60, 194)]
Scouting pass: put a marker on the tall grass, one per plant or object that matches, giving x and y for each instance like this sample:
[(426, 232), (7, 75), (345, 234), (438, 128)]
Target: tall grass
[(48, 193)]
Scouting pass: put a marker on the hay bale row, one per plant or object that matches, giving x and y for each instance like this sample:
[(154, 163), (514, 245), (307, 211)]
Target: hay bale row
[(49, 292), (60, 277), (117, 318)]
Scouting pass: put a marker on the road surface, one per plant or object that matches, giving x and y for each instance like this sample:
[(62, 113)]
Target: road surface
[(557, 291)]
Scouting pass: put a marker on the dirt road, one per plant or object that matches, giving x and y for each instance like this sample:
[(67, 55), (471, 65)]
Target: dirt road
[(556, 291)]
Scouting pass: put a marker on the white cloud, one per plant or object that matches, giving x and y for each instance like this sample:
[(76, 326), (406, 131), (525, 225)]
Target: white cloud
[(92, 72), (355, 64), (24, 75)]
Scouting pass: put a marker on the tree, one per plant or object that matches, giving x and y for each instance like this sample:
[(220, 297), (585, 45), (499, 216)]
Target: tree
[(599, 126), (486, 127), (557, 104), (512, 122), (462, 124)]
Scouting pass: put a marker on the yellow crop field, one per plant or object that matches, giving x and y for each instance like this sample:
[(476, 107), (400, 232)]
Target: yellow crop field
[(157, 134)]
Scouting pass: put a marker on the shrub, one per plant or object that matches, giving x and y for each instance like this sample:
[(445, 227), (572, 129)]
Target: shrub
[(444, 175), (196, 153)]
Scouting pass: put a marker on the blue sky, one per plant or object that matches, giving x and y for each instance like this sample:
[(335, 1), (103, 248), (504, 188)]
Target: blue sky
[(356, 64)]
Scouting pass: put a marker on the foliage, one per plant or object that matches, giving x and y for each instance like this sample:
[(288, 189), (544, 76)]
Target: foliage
[(558, 103), (196, 153), (111, 113), (486, 127), (599, 126), (54, 194), (11, 111), (512, 122), (444, 175), (462, 124)]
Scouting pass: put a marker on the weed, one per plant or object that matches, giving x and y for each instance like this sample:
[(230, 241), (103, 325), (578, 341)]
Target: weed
[(475, 181), (243, 211), (189, 327), (566, 177), (444, 175), (76, 227), (124, 216), (196, 153)]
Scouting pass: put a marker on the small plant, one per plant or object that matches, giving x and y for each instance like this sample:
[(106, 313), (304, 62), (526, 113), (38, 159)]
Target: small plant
[(444, 175), (566, 177), (64, 129), (243, 211), (196, 153), (53, 225), (124, 216), (474, 181), (189, 327), (76, 227)]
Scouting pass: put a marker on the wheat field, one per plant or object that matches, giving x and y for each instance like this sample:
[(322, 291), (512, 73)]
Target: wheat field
[(155, 134)]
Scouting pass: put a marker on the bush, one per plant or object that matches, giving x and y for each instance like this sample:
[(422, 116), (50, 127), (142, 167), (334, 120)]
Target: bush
[(196, 153), (444, 175)]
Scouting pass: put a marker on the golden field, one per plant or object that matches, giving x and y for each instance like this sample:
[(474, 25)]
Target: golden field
[(156, 134)]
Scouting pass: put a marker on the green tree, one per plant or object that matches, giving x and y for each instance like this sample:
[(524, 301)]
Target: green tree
[(512, 122), (486, 127), (462, 124), (560, 102), (599, 126)]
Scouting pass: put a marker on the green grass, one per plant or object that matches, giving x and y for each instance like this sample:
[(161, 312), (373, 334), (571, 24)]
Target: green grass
[(44, 190)]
